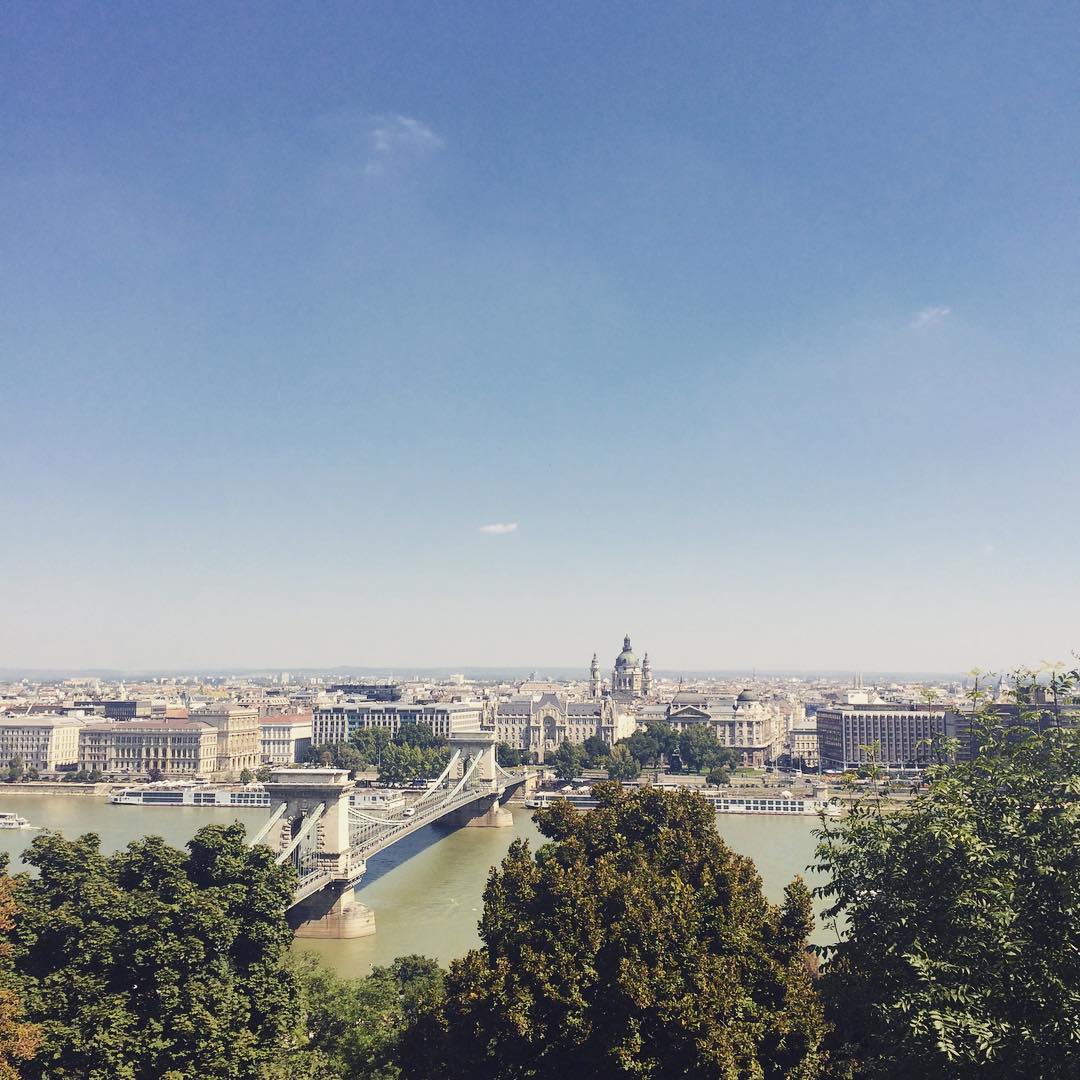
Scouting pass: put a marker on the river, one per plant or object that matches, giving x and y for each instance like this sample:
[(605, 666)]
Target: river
[(425, 891)]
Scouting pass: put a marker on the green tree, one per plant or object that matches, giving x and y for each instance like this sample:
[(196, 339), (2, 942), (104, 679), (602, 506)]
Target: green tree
[(622, 765), (597, 751), (412, 734), (718, 776), (617, 951), (700, 751), (19, 1040), (568, 760), (338, 755), (370, 743), (263, 774), (652, 743), (402, 763), (16, 768), (960, 950), (355, 1027), (155, 775), (246, 776), (153, 962), (508, 757)]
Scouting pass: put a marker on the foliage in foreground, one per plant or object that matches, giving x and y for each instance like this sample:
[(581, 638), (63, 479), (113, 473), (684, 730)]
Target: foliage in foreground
[(153, 962), (19, 1040), (960, 954), (637, 944), (361, 1028)]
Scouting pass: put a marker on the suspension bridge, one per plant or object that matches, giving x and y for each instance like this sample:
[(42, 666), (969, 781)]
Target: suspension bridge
[(317, 827)]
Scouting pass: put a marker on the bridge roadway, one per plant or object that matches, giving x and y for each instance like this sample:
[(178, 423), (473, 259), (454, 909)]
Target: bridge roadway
[(369, 836)]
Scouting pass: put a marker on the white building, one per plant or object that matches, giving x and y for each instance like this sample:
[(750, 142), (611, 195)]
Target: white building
[(44, 741), (138, 747), (284, 740), (336, 721), (803, 746)]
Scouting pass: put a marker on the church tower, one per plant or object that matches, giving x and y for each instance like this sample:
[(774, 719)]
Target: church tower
[(594, 677), (646, 676)]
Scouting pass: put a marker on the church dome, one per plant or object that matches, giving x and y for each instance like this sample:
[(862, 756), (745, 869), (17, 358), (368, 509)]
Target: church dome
[(626, 659), (749, 695)]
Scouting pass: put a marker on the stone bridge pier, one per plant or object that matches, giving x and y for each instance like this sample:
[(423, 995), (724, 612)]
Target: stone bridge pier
[(333, 911)]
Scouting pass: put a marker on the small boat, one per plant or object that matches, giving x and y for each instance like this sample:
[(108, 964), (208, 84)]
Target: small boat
[(13, 821)]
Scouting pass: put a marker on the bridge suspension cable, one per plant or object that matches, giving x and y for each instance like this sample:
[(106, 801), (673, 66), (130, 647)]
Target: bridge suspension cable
[(305, 828), (260, 836), (442, 779)]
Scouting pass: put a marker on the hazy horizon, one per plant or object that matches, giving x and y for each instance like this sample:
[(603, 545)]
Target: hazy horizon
[(485, 332)]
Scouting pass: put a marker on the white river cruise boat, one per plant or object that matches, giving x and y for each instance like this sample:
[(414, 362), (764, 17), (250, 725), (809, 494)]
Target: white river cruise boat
[(784, 803), (191, 795), (13, 821)]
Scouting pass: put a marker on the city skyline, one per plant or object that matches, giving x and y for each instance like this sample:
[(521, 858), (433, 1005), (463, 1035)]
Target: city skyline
[(408, 336)]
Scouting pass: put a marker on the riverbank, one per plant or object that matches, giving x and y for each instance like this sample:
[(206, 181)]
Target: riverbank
[(49, 787)]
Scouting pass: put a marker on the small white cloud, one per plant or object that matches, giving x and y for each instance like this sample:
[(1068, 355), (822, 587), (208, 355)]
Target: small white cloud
[(499, 528), (397, 136), (929, 316)]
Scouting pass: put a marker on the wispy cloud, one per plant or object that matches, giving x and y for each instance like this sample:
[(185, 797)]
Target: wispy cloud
[(499, 528), (395, 136), (930, 316)]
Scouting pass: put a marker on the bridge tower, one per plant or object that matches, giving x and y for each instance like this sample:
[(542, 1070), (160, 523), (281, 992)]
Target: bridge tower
[(332, 911), (488, 813)]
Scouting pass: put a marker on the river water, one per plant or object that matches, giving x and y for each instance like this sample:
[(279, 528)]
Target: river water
[(425, 891)]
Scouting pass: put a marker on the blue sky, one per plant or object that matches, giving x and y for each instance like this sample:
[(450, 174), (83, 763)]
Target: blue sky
[(760, 323)]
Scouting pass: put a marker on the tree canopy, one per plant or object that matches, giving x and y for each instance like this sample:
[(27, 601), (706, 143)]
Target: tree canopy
[(960, 947), (622, 765), (19, 1040), (153, 962), (357, 1028), (635, 944), (651, 744), (414, 753), (700, 750), (568, 760)]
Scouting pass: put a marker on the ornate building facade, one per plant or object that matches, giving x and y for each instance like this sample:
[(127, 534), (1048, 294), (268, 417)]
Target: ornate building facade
[(540, 723), (746, 724)]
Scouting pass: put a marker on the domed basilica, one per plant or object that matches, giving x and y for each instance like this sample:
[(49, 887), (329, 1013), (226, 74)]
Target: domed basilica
[(630, 678)]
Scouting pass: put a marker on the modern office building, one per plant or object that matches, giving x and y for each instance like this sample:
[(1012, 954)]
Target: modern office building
[(136, 747), (286, 739), (127, 709), (335, 722), (896, 736), (44, 742), (370, 691)]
